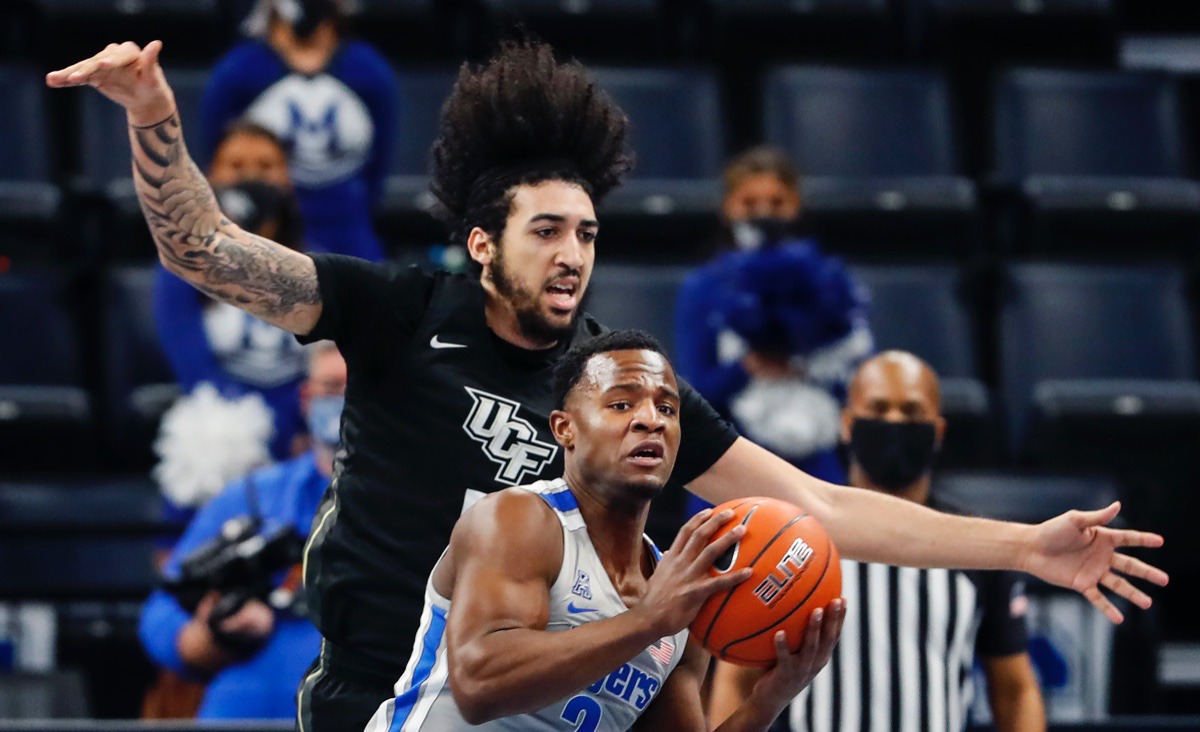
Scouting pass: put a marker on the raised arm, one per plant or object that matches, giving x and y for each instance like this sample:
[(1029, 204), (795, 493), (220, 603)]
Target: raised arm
[(505, 554), (1076, 549), (194, 239)]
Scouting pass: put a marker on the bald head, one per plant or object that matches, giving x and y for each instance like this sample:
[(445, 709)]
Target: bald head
[(898, 383)]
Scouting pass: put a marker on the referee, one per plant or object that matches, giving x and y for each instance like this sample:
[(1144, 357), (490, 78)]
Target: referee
[(910, 636), (448, 395)]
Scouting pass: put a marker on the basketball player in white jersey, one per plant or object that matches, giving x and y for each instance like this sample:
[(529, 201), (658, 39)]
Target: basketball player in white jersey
[(551, 609)]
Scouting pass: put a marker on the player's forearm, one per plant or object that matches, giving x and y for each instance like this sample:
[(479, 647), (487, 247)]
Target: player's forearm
[(753, 715), (731, 687), (522, 670), (867, 525), (198, 243), (874, 527), (1017, 707), (1026, 714)]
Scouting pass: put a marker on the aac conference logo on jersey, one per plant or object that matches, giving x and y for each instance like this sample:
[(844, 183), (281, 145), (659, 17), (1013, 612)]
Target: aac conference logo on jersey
[(508, 440)]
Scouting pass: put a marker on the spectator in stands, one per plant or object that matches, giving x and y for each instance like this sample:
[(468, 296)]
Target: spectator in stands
[(334, 104), (255, 657), (249, 151), (770, 330), (206, 341), (910, 635)]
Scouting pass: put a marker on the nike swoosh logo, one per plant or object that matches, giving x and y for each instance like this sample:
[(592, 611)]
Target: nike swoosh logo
[(435, 343), (572, 609)]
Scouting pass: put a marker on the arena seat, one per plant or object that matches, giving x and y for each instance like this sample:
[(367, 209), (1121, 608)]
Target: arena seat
[(814, 29), (677, 132), (105, 158), (924, 310), (1098, 374), (878, 155), (70, 30), (1097, 158), (1023, 497), (637, 296), (1131, 339), (46, 413), (138, 383), (406, 200), (78, 507), (586, 28), (82, 538), (408, 30), (29, 199)]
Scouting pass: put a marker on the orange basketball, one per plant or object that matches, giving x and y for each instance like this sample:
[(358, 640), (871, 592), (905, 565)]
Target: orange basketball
[(796, 571)]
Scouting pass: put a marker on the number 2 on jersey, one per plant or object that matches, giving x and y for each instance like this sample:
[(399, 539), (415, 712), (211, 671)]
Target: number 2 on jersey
[(584, 712)]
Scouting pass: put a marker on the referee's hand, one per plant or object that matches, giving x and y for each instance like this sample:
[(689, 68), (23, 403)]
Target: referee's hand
[(1078, 550)]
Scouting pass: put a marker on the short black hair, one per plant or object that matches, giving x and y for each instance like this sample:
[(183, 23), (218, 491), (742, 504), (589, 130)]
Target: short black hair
[(250, 128), (570, 366), (762, 159), (522, 119)]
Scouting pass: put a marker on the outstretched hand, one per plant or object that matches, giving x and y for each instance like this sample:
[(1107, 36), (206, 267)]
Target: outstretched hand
[(1078, 550), (127, 74)]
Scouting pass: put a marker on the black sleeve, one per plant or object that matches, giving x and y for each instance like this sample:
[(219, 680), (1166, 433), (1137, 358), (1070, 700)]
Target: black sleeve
[(364, 304), (1002, 630), (705, 435)]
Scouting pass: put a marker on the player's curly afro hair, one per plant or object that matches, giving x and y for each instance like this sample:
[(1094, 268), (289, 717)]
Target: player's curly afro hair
[(523, 118)]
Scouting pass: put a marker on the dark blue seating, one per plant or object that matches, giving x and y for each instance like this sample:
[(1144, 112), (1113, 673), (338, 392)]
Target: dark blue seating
[(587, 28), (138, 383), (1023, 497), (46, 413), (1117, 340), (678, 134), (814, 29), (1098, 368), (422, 93), (1095, 154), (29, 199), (877, 148), (924, 310), (633, 296), (192, 31)]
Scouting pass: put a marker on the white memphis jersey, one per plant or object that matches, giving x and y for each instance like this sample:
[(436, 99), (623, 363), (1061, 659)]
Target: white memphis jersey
[(582, 593)]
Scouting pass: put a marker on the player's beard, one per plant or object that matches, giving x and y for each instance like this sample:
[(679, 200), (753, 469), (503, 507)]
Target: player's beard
[(526, 306)]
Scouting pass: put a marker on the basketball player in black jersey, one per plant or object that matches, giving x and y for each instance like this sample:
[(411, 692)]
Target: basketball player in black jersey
[(449, 395)]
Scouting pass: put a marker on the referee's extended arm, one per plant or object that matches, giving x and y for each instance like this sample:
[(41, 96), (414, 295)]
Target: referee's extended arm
[(195, 240)]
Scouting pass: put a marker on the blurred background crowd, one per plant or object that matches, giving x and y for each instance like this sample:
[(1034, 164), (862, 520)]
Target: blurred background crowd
[(1006, 188)]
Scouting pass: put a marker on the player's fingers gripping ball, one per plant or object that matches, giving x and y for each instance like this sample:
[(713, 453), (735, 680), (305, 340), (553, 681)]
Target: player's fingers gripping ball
[(796, 570)]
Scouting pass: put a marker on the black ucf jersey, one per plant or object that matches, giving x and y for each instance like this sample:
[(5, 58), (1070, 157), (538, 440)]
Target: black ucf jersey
[(439, 411)]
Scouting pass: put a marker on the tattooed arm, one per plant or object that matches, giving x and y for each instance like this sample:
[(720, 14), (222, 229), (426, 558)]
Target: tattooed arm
[(194, 239)]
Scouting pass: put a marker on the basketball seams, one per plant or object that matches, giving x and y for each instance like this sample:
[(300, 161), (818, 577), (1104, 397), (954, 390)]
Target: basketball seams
[(751, 563), (816, 585)]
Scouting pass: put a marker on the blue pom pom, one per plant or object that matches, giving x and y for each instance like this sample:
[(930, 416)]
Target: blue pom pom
[(789, 299)]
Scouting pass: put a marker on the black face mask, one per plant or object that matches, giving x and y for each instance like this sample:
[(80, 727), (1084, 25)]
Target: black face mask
[(893, 454)]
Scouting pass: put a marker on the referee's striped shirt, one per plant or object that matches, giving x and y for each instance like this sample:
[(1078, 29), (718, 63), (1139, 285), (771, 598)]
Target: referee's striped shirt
[(907, 649)]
